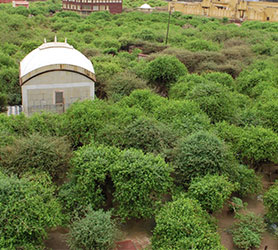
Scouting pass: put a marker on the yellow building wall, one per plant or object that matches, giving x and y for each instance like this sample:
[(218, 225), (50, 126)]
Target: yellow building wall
[(234, 9)]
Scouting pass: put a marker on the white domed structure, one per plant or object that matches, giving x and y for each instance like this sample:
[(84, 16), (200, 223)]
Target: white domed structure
[(53, 76)]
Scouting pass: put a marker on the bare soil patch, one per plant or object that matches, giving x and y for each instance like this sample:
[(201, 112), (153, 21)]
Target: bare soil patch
[(255, 204), (57, 239)]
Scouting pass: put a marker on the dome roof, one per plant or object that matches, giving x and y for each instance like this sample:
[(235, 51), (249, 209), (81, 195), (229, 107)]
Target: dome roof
[(145, 6), (54, 53)]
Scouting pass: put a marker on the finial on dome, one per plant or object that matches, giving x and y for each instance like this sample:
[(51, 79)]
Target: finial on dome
[(55, 39), (44, 40)]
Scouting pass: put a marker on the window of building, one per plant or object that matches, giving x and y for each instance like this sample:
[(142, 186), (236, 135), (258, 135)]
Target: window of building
[(95, 8), (89, 1), (59, 97), (107, 7), (102, 7)]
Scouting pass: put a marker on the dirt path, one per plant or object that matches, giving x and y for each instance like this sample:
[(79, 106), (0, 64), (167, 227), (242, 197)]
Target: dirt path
[(226, 219), (57, 239)]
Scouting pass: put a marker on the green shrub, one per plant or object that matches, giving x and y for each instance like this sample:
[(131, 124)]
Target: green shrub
[(247, 232), (251, 145), (257, 145), (267, 110), (201, 154), (236, 204), (212, 191), (215, 100), (219, 77), (144, 100), (183, 116), (271, 203), (88, 178), (94, 231), (183, 224), (3, 102), (47, 124), (247, 80), (84, 119), (122, 84), (140, 181), (164, 70), (137, 182), (149, 135), (186, 83), (36, 153), (249, 182), (28, 208)]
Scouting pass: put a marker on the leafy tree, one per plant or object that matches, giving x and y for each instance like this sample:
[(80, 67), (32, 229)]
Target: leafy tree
[(28, 208), (212, 191), (271, 203), (183, 224), (36, 153), (96, 230)]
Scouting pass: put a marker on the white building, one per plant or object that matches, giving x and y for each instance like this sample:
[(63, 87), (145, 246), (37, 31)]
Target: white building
[(53, 76)]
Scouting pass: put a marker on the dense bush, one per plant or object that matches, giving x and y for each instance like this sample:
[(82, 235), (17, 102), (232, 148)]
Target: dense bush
[(140, 181), (122, 84), (84, 119), (3, 102), (252, 145), (183, 116), (201, 154), (28, 208), (236, 204), (36, 153), (247, 232), (212, 191), (148, 135), (271, 203), (182, 224), (88, 178), (164, 70), (209, 91), (96, 230), (137, 182), (249, 182), (216, 100)]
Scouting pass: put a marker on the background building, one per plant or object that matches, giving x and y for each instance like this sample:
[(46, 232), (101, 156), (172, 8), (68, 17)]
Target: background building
[(88, 6), (53, 76), (233, 9)]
